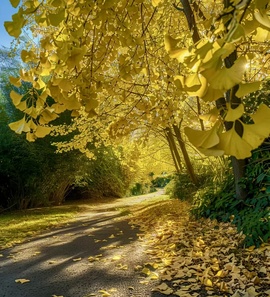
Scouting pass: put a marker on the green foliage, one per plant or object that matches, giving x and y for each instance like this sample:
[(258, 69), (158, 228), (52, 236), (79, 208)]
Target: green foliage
[(251, 216), (180, 187), (17, 225), (103, 176), (31, 174), (141, 188), (161, 181)]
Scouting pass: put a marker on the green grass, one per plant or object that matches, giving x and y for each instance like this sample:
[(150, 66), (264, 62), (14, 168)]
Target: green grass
[(16, 226)]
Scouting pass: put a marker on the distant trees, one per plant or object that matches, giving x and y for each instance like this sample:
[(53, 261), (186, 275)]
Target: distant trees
[(32, 174)]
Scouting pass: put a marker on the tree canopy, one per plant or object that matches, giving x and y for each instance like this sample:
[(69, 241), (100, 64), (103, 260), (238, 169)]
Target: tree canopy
[(123, 65)]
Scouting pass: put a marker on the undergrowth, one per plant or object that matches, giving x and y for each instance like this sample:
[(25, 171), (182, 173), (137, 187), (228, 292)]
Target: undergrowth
[(251, 216)]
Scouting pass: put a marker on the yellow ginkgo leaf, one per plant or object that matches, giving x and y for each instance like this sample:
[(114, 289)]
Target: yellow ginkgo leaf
[(169, 291), (145, 271), (57, 296), (247, 88), (42, 131), (234, 145), (14, 28), (116, 257), (225, 78), (76, 259), (203, 139), (16, 98), (162, 287), (234, 113), (207, 282), (15, 81), (254, 135), (20, 126), (122, 266), (56, 18), (76, 56), (154, 275), (211, 116), (251, 292), (212, 94), (179, 54), (104, 293), (22, 280), (15, 3), (30, 137)]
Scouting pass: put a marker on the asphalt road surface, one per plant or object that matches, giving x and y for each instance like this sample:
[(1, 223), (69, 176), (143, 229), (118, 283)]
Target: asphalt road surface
[(97, 253)]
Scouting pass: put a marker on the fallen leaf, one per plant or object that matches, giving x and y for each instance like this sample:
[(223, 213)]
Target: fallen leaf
[(251, 292), (108, 247), (144, 282), (112, 236), (169, 291), (22, 280), (116, 257), (263, 270), (76, 259), (145, 271), (104, 293), (36, 253), (162, 287), (208, 282), (122, 266), (154, 275), (94, 258)]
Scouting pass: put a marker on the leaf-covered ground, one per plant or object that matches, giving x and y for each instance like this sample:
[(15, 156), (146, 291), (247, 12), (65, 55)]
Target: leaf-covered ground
[(199, 258), (172, 254)]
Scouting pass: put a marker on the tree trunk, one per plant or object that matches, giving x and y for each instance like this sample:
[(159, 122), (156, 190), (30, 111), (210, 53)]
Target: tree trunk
[(238, 165), (174, 151), (188, 163)]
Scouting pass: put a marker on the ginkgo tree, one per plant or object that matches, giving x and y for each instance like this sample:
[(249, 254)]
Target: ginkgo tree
[(110, 59)]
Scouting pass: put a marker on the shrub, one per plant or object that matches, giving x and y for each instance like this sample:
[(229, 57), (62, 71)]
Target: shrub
[(141, 188), (180, 187), (161, 181), (103, 176), (251, 216)]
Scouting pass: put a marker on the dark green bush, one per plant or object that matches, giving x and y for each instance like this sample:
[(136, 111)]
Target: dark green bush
[(181, 187), (251, 216), (141, 189), (161, 181)]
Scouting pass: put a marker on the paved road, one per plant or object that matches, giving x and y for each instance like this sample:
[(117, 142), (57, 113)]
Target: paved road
[(99, 251)]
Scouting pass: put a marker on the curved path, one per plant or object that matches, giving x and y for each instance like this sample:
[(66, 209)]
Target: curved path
[(95, 254)]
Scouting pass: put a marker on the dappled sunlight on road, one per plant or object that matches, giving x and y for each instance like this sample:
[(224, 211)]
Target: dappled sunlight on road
[(98, 253)]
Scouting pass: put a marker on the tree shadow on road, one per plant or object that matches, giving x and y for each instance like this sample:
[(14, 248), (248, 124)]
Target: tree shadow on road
[(67, 262)]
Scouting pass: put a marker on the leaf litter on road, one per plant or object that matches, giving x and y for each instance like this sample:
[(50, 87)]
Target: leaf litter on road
[(200, 257)]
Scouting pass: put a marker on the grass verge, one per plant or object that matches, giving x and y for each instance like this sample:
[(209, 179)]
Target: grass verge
[(16, 226)]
